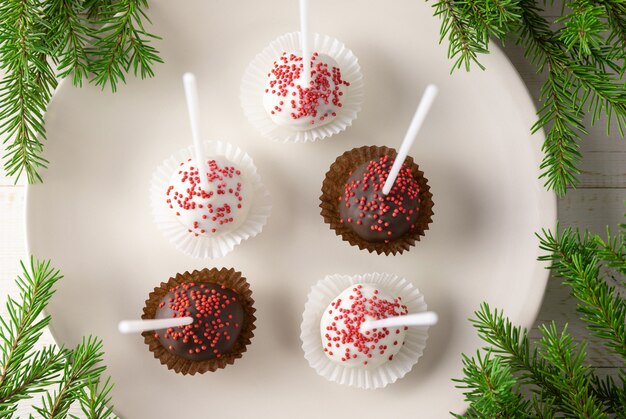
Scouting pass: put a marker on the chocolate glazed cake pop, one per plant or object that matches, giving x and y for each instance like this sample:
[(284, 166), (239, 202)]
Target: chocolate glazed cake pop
[(221, 306), (354, 206), (218, 320), (372, 215)]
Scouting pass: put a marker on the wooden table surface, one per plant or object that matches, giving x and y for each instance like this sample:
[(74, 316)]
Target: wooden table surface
[(597, 202)]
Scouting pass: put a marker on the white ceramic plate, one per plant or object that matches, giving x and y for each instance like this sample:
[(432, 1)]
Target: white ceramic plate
[(92, 215)]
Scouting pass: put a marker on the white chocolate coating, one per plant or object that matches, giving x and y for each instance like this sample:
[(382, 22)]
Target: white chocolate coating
[(339, 327), (221, 208), (298, 107)]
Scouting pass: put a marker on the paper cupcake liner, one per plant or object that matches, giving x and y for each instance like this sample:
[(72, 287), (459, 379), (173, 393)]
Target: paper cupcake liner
[(323, 293), (255, 77), (333, 187), (209, 246), (230, 279)]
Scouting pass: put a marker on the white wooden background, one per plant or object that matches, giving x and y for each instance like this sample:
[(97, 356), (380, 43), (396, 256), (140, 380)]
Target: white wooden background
[(598, 201)]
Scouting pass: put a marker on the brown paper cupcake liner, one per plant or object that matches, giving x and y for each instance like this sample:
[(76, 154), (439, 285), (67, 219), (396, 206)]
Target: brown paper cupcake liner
[(333, 186), (229, 278)]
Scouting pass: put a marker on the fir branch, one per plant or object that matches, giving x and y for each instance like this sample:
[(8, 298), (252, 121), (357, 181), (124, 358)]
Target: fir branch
[(493, 18), (83, 369), (545, 371), (580, 59), (572, 376), (490, 389), (36, 34), (613, 396), (511, 343), (41, 371), (122, 43), (25, 372), (604, 95), (561, 108), (555, 370), (583, 29), (25, 88), (563, 105), (616, 16), (21, 330), (465, 43), (561, 146), (95, 401), (612, 250), (574, 259), (71, 36)]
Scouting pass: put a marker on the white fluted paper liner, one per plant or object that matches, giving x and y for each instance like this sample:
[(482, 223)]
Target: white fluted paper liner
[(255, 78), (209, 246), (323, 293)]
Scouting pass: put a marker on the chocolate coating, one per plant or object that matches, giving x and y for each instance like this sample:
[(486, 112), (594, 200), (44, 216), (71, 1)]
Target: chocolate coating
[(218, 315), (375, 217)]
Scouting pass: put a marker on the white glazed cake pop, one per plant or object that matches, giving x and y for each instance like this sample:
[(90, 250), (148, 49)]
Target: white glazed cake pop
[(342, 340), (220, 209), (291, 104)]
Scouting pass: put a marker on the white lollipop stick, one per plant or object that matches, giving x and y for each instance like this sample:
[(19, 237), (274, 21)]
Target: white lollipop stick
[(191, 93), (420, 114), (137, 326), (305, 43), (427, 318)]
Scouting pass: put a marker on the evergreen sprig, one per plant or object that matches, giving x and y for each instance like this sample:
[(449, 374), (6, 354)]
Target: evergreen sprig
[(122, 43), (83, 367), (40, 40), (23, 328), (25, 372), (490, 385), (577, 259), (554, 369), (95, 400), (583, 56)]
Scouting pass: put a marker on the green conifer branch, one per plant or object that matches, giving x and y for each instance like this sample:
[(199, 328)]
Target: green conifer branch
[(42, 371), (575, 259), (616, 16), (581, 60), (613, 395), (22, 329), (25, 372), (123, 44), (572, 376), (489, 386), (71, 36), (555, 368), (36, 35), (465, 42), (95, 400), (83, 368), (512, 344), (23, 91)]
